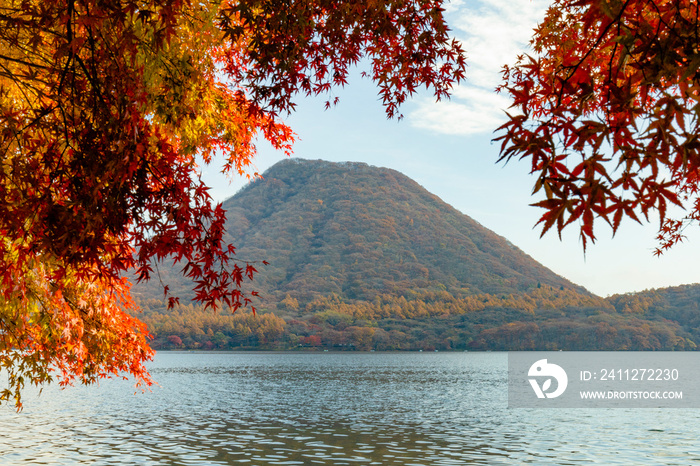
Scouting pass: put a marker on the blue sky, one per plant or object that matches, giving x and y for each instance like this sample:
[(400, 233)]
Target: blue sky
[(447, 148)]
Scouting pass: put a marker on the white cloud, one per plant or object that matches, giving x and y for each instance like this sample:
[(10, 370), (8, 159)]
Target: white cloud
[(494, 33), (453, 6), (471, 110)]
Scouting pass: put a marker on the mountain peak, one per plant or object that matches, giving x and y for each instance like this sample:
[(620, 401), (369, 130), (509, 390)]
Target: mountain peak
[(355, 231)]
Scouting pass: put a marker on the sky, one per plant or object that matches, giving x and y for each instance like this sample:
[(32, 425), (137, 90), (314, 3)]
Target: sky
[(447, 148)]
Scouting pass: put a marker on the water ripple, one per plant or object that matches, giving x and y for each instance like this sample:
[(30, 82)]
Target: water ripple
[(331, 409)]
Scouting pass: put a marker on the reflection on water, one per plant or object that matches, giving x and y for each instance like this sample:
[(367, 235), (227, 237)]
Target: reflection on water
[(327, 408)]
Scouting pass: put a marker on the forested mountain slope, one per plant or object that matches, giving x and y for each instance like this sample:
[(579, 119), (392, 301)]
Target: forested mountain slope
[(359, 231), (362, 257)]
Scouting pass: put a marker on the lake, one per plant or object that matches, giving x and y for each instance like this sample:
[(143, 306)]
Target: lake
[(334, 409)]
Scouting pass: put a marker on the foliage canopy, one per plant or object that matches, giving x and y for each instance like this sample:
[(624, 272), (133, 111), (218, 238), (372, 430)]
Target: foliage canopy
[(607, 110), (104, 108)]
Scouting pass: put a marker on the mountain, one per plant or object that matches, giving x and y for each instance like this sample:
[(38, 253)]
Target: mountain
[(362, 257), (359, 231)]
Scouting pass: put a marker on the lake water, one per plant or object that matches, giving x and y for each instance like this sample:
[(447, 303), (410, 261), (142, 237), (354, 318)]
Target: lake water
[(335, 409)]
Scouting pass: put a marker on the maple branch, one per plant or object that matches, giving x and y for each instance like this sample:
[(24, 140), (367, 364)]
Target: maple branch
[(590, 51), (69, 37), (23, 62)]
